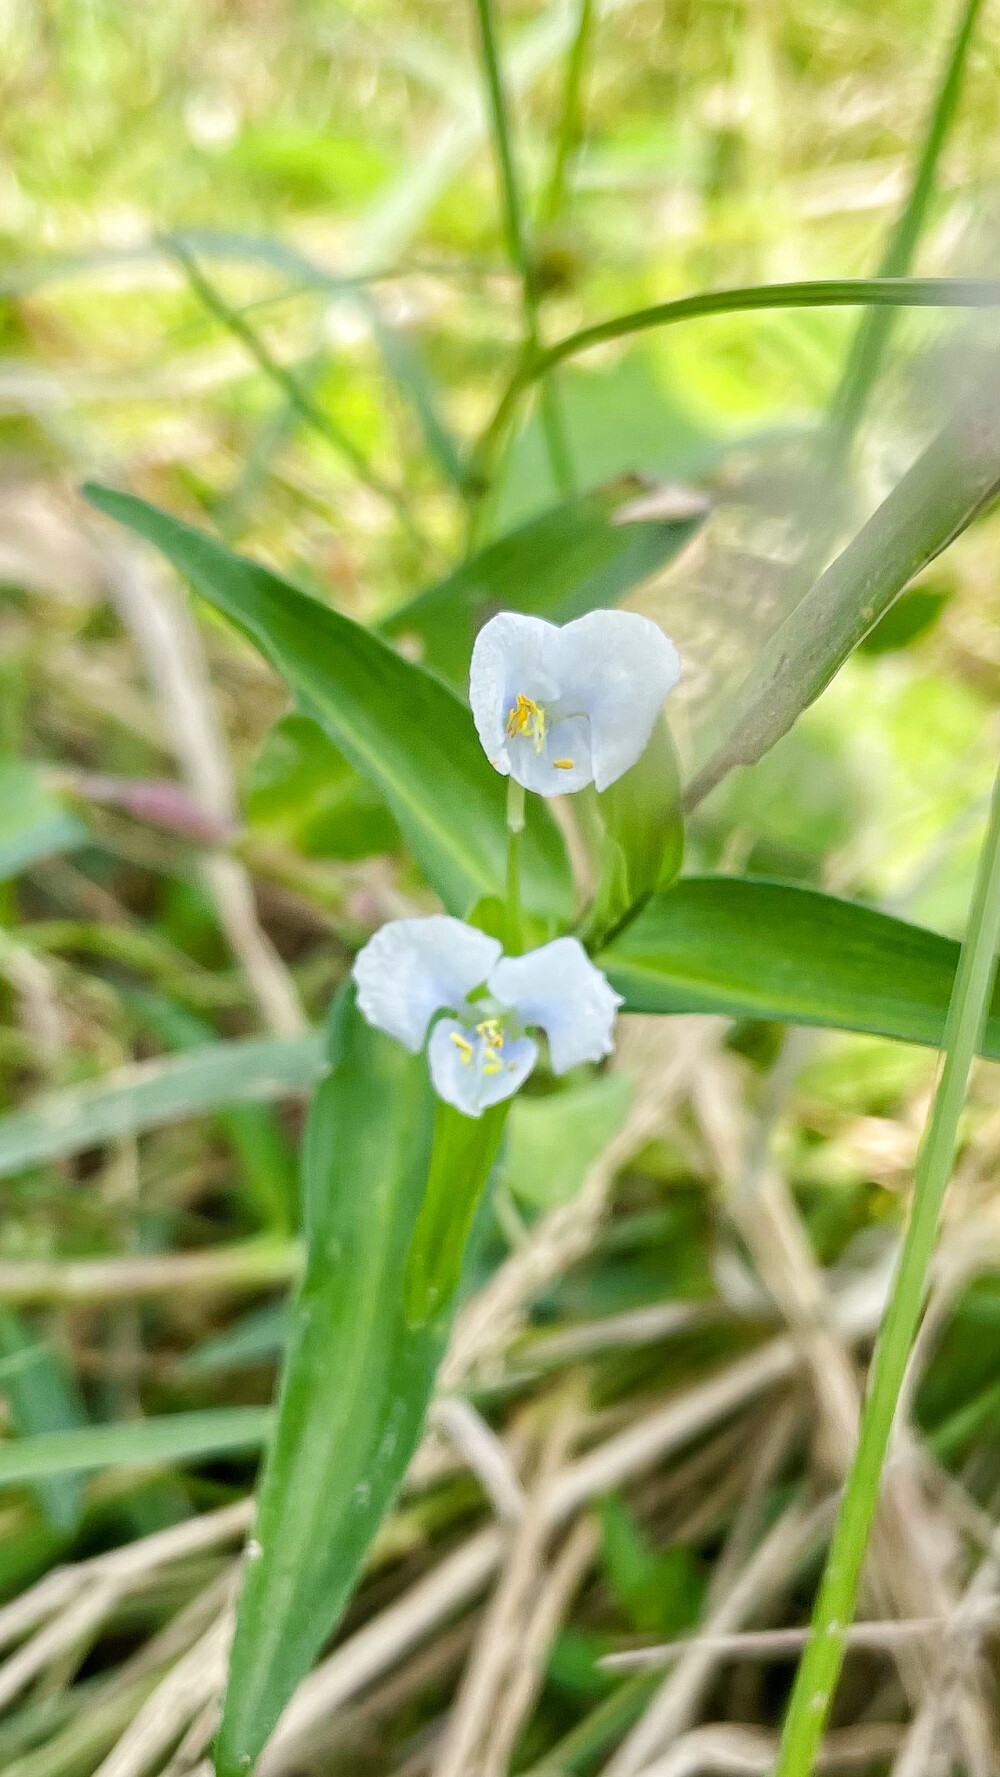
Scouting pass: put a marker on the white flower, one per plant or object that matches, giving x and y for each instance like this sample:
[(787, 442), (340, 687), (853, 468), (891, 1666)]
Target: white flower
[(560, 708), (481, 1053)]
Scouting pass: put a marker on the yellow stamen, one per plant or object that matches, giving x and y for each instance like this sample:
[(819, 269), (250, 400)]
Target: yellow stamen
[(563, 764), (527, 718), (464, 1048), (491, 1032)]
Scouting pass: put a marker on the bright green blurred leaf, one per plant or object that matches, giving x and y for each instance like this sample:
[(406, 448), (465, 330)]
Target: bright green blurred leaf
[(301, 787), (756, 949), (551, 1141), (659, 1593), (357, 1380), (33, 823), (911, 617), (396, 723), (618, 421), (570, 560)]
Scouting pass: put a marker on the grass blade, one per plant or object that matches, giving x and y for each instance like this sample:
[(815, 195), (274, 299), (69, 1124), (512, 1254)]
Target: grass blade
[(173, 1437), (151, 1093), (835, 1604)]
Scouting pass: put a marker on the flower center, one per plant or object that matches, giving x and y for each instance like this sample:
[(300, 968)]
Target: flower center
[(529, 718), (491, 1035)]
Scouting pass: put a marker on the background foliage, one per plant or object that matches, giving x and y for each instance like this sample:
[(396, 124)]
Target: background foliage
[(256, 273)]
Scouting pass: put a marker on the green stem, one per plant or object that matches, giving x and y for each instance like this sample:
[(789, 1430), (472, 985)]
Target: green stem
[(517, 244), (515, 827), (872, 337), (819, 293), (820, 1666), (517, 240), (569, 122)]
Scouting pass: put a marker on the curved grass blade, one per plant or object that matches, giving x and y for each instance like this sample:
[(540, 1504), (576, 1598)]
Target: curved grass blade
[(152, 1093), (170, 1438), (396, 723), (357, 1378), (750, 948)]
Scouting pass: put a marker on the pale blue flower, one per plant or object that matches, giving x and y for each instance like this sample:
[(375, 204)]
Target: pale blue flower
[(479, 1054), (557, 709)]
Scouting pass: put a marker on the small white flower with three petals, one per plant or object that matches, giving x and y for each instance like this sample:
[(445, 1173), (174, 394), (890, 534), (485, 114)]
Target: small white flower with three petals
[(559, 708), (481, 1052)]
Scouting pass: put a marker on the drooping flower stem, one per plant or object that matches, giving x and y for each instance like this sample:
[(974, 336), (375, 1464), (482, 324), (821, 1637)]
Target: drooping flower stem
[(515, 827), (821, 1663)]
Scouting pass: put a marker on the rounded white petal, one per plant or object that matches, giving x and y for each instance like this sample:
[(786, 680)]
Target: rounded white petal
[(616, 667), (459, 1077), (413, 968), (510, 655), (558, 988)]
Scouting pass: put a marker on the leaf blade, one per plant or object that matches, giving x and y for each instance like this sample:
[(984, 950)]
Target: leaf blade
[(749, 948), (566, 562), (448, 800), (357, 1378)]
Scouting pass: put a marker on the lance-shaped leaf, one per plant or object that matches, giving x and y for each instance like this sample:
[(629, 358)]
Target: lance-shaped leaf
[(955, 477), (396, 723), (357, 1377), (755, 949), (578, 556)]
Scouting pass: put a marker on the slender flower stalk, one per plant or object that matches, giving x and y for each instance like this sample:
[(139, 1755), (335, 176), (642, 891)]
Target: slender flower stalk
[(515, 827), (835, 1604)]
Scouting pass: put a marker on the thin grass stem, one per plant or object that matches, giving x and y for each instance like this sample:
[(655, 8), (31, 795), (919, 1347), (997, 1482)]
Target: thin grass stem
[(835, 1604), (869, 344), (569, 120)]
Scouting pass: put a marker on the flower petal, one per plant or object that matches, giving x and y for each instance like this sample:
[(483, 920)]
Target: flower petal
[(617, 667), (511, 655), (458, 1067), (413, 968), (558, 988), (560, 766)]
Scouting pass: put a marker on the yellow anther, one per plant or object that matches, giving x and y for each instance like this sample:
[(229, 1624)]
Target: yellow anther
[(464, 1048), (563, 764), (527, 718), (491, 1031)]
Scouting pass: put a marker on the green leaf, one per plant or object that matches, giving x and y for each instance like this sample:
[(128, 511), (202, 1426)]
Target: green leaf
[(170, 1438), (302, 788), (462, 1156), (570, 560), (643, 837), (152, 1093), (756, 949), (659, 1592), (357, 1378), (397, 724), (33, 823), (551, 1141), (42, 1396)]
